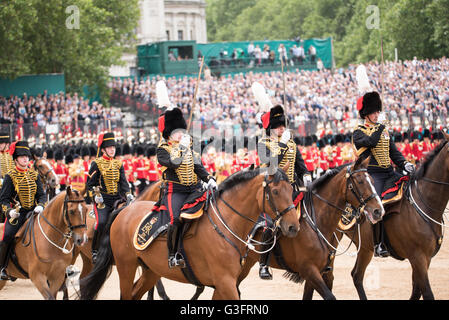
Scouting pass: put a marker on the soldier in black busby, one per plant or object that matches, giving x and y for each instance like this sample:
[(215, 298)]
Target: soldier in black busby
[(277, 147), (21, 193), (106, 184), (372, 139), (182, 171)]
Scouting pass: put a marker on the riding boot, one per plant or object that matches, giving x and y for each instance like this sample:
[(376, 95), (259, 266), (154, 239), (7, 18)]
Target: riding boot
[(264, 271), (175, 258), (95, 244), (4, 252), (380, 250)]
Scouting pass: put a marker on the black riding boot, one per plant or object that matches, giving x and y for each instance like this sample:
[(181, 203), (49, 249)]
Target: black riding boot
[(4, 251), (95, 244), (380, 250), (264, 271), (175, 258)]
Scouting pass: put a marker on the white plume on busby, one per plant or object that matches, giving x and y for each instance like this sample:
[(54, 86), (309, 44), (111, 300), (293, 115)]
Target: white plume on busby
[(362, 80), (162, 95), (261, 96)]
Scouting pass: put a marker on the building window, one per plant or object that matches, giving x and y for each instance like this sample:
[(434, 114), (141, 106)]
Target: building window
[(180, 37), (167, 32)]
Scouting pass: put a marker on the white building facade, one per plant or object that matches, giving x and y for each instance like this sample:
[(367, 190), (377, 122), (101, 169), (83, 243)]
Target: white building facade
[(162, 20)]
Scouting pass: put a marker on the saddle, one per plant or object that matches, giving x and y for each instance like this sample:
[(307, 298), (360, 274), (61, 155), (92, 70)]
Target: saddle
[(394, 189), (153, 226)]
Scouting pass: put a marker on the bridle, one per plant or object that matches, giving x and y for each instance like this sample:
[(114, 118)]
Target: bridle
[(65, 235), (352, 186), (42, 175), (267, 196)]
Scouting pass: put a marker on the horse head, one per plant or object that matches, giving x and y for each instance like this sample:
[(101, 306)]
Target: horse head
[(277, 201), (46, 172), (360, 191), (75, 213)]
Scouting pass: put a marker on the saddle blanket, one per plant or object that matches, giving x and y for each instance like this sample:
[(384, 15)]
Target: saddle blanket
[(393, 189), (152, 225)]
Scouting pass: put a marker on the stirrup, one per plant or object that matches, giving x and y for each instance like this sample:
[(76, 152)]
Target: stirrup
[(94, 256), (381, 251), (4, 276), (176, 261), (264, 272)]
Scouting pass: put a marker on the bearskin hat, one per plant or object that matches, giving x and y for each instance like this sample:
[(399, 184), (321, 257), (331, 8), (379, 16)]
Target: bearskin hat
[(369, 103), (274, 118), (170, 121)]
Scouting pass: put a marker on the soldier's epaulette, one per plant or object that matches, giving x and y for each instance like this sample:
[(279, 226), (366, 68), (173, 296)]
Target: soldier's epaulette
[(165, 146)]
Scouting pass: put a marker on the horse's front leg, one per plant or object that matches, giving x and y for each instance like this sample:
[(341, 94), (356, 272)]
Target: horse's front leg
[(420, 265), (40, 282)]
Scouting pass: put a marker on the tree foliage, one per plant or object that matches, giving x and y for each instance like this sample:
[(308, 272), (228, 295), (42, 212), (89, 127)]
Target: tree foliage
[(415, 27), (44, 37)]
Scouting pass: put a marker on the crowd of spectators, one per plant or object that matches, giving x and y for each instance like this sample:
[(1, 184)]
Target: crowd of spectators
[(55, 114), (415, 93)]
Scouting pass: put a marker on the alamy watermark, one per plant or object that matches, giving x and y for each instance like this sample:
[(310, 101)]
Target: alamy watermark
[(73, 20)]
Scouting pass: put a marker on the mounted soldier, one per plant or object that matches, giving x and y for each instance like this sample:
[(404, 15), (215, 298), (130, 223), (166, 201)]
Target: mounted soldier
[(22, 192), (372, 139), (278, 147), (106, 184), (182, 172)]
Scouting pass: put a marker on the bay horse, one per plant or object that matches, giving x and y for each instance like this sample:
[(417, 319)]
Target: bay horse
[(308, 255), (413, 225), (48, 176), (214, 253), (43, 246)]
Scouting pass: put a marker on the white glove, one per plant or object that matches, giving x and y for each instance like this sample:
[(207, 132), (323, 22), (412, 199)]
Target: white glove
[(99, 199), (14, 214), (211, 184), (38, 209), (129, 197), (185, 141), (307, 179), (285, 137), (409, 167)]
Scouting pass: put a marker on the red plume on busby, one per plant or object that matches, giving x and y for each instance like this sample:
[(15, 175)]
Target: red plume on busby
[(266, 119), (12, 148), (161, 123)]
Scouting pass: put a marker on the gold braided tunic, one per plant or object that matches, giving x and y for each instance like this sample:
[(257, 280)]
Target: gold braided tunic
[(180, 165), (375, 140), (23, 186)]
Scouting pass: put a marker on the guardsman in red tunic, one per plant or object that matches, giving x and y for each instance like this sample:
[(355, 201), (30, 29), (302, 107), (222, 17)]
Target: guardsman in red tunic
[(128, 166), (426, 144), (416, 147), (322, 156), (140, 169), (153, 174), (61, 169)]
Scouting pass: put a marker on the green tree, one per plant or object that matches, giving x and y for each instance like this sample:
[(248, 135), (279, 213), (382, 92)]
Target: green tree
[(39, 37)]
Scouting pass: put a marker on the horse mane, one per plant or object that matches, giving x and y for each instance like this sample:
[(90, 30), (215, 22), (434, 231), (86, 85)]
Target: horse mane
[(243, 176), (428, 161), (328, 175)]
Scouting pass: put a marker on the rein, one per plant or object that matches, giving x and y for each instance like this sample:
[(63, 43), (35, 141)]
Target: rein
[(351, 185), (247, 243), (67, 236)]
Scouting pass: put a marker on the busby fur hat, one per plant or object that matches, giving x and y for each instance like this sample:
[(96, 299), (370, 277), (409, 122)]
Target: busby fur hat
[(369, 103), (170, 121), (19, 148), (274, 118), (4, 137), (105, 140)]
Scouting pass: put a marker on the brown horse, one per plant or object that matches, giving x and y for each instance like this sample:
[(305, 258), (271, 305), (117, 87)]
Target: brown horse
[(413, 225), (214, 253), (48, 176), (43, 247), (308, 255)]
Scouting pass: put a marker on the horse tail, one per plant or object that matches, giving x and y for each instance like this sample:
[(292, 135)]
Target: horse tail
[(91, 285)]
